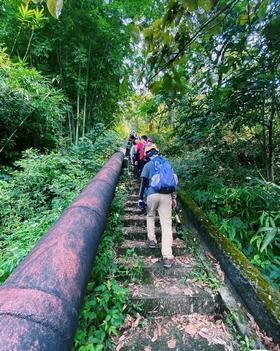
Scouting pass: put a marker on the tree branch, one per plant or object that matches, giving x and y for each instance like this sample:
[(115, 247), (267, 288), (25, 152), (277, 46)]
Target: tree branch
[(181, 51)]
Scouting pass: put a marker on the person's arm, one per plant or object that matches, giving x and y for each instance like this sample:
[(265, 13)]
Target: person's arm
[(143, 186)]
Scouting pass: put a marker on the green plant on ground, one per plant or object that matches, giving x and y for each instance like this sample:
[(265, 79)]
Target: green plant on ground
[(101, 316), (130, 267), (268, 233), (103, 310), (203, 273), (246, 213), (192, 241), (242, 342)]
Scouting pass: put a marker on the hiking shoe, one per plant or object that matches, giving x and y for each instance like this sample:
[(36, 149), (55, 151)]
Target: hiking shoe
[(151, 244), (167, 262)]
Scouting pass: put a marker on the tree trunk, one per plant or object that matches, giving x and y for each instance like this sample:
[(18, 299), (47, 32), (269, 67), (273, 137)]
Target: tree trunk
[(70, 127), (271, 131), (16, 39), (264, 137), (78, 109), (84, 116), (13, 133), (29, 44), (270, 144), (77, 118), (85, 99)]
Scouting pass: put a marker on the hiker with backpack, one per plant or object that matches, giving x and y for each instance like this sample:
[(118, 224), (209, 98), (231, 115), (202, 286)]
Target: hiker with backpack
[(149, 145), (139, 161), (158, 184)]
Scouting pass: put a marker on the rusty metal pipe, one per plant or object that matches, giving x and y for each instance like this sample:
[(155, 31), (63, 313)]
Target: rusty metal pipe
[(41, 300)]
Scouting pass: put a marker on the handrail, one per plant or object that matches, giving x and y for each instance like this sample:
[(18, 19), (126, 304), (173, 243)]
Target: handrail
[(41, 300)]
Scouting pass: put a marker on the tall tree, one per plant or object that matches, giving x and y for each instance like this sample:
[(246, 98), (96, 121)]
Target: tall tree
[(217, 64)]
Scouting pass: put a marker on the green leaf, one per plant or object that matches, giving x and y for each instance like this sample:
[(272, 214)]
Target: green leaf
[(166, 38), (262, 9), (157, 23), (272, 30), (205, 4), (135, 32), (269, 237), (190, 5), (156, 87), (265, 229), (55, 7), (243, 19), (167, 82), (148, 34), (216, 30)]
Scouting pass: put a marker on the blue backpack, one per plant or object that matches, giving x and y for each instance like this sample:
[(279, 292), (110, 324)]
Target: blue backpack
[(163, 180)]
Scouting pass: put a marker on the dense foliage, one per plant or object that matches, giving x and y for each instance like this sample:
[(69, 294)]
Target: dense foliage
[(31, 111), (213, 73), (34, 195), (86, 53)]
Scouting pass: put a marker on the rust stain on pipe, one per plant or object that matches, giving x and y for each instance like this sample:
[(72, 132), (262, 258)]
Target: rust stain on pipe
[(41, 300)]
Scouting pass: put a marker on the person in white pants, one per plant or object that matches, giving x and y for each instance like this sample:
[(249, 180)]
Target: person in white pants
[(162, 203)]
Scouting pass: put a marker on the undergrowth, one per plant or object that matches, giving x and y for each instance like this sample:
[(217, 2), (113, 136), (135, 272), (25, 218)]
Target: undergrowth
[(33, 195), (241, 204)]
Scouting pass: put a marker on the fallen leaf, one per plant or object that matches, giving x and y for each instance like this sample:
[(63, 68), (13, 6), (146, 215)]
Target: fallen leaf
[(155, 336), (159, 329), (137, 321), (191, 329), (171, 343), (188, 292)]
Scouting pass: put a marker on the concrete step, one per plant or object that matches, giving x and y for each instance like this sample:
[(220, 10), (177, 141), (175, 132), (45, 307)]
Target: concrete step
[(152, 267), (181, 268), (142, 235), (167, 296), (178, 333), (138, 220), (134, 210), (131, 203), (141, 249), (133, 197), (142, 229), (134, 192)]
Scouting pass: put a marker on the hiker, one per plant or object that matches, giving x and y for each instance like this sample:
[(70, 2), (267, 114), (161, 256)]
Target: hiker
[(162, 200), (131, 139), (136, 155), (132, 152), (149, 145), (140, 154)]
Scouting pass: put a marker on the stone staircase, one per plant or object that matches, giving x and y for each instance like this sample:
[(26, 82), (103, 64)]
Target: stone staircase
[(177, 312)]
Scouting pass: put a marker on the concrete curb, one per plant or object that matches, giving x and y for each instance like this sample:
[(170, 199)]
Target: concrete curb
[(261, 299)]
